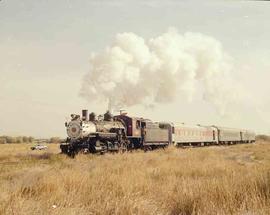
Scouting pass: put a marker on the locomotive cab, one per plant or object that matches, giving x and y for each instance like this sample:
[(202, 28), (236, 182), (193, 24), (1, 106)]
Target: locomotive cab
[(144, 133)]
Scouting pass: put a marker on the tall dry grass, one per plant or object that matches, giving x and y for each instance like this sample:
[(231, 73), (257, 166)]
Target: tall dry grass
[(212, 180)]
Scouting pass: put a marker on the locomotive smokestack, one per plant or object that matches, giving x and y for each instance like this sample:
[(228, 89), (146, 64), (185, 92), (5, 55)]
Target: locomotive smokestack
[(110, 109), (85, 115)]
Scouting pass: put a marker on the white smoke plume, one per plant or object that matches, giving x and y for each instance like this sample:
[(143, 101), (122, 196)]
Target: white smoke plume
[(137, 71)]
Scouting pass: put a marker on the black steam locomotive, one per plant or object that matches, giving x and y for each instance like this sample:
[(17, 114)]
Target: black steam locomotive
[(89, 134)]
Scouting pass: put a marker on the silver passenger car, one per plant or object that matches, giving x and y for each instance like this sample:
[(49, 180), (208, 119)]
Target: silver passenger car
[(248, 136), (228, 135), (194, 135)]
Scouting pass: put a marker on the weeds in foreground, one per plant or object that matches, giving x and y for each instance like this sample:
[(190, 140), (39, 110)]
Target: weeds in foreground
[(211, 180)]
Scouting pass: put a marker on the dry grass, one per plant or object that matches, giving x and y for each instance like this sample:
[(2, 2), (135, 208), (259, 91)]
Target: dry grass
[(212, 180)]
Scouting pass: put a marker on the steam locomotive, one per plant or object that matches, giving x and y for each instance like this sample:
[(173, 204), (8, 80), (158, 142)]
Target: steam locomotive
[(89, 134)]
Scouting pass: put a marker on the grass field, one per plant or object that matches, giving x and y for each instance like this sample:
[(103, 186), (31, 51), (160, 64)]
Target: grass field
[(211, 180)]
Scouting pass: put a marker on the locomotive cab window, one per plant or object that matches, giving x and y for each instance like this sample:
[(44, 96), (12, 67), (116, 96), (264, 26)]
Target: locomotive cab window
[(138, 124)]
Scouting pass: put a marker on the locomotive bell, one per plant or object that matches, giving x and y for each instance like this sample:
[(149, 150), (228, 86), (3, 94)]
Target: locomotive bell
[(108, 116), (92, 116)]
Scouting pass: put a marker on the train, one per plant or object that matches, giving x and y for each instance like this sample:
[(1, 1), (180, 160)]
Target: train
[(120, 133)]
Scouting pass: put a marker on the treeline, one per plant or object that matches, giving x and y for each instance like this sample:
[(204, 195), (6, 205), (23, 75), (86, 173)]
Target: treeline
[(19, 139), (28, 139), (55, 140), (263, 137)]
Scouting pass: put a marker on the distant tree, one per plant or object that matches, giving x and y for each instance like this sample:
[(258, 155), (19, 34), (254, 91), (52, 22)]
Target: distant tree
[(18, 139), (3, 140), (25, 139), (31, 139), (55, 140), (263, 137), (10, 139)]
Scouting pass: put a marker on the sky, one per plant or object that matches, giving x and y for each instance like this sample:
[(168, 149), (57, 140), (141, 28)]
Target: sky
[(46, 45)]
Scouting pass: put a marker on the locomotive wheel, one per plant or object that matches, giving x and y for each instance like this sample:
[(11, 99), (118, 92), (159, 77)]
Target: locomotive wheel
[(71, 151), (123, 150), (123, 147), (71, 154)]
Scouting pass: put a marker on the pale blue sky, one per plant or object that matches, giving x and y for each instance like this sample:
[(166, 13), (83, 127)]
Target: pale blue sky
[(45, 48)]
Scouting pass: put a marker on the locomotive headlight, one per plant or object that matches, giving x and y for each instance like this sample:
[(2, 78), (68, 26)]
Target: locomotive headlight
[(78, 129), (74, 129)]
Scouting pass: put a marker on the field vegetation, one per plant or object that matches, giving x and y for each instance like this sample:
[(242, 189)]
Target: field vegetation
[(207, 180), (18, 139), (27, 139)]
